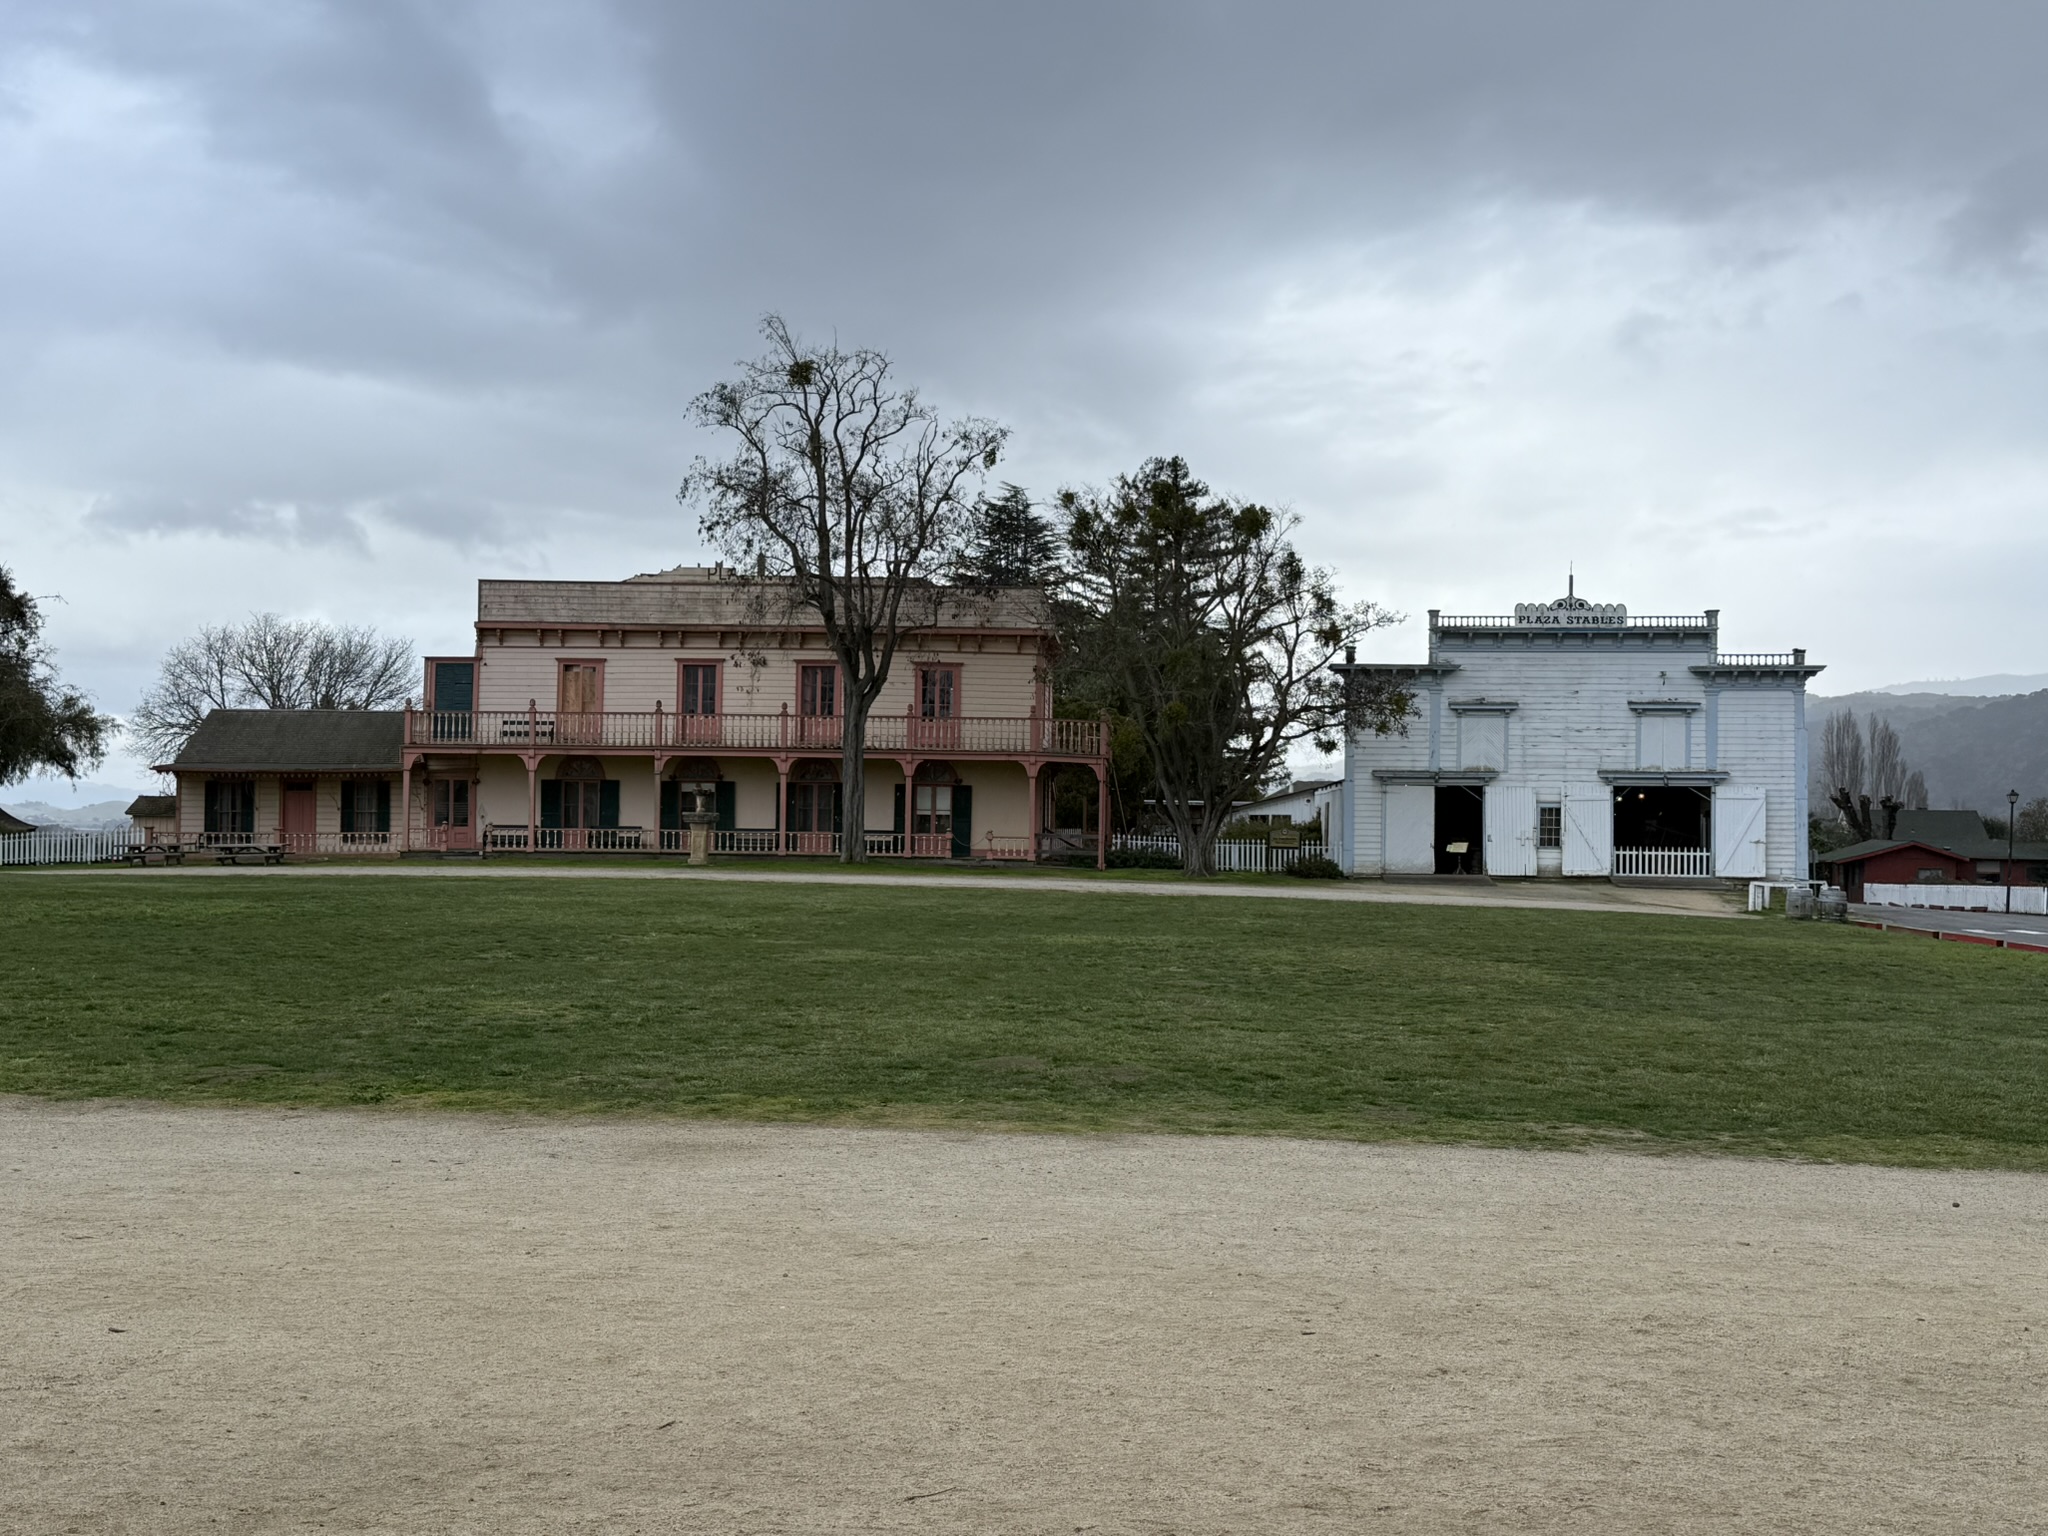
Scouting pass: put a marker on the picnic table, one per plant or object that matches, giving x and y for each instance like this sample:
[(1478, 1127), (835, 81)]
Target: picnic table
[(170, 853), (234, 853)]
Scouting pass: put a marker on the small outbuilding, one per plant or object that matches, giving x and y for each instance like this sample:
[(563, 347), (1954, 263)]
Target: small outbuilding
[(1935, 848), (155, 818), (12, 823), (305, 780)]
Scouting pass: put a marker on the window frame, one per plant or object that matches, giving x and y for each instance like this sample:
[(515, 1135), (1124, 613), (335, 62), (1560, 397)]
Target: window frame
[(807, 672), (948, 691), (715, 671)]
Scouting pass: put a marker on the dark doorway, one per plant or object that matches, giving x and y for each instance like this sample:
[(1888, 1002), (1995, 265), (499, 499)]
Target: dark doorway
[(1461, 825), (1662, 816)]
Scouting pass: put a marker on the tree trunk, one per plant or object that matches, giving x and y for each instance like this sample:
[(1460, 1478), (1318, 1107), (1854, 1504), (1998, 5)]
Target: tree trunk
[(1194, 846), (853, 781)]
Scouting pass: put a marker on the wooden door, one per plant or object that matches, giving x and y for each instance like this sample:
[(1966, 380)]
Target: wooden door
[(300, 817), (578, 702), (453, 826)]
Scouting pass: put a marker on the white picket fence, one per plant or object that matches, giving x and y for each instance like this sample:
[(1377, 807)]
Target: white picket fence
[(1230, 856), (60, 845), (2030, 899)]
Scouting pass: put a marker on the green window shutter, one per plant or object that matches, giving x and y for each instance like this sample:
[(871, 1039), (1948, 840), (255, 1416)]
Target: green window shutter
[(838, 808), (963, 822), (551, 804), (608, 803), (348, 806), (245, 813), (671, 818), (896, 824), (383, 805), (454, 685), (727, 804)]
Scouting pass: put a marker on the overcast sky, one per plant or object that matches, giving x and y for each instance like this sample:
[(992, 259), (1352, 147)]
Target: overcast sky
[(332, 309)]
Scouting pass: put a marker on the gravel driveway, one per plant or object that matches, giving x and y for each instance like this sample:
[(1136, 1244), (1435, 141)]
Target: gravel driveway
[(247, 1320)]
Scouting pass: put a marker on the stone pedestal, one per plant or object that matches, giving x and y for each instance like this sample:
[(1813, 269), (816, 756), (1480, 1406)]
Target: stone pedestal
[(700, 824)]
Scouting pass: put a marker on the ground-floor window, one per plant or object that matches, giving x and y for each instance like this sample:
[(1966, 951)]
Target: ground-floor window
[(813, 807), (934, 811), (1549, 826), (365, 806), (231, 806), (451, 802)]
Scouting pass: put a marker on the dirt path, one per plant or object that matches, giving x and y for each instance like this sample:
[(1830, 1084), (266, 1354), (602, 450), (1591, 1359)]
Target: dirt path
[(1574, 896), (244, 1321)]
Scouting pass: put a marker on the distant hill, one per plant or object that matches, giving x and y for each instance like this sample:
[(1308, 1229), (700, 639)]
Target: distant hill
[(1996, 685), (81, 818), (1972, 750)]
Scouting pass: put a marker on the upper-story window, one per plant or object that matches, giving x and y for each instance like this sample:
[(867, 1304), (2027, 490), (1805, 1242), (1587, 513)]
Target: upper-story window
[(937, 690), (817, 690), (700, 688), (1663, 741)]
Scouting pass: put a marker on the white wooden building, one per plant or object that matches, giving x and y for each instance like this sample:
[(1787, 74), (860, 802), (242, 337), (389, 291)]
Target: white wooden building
[(1571, 739)]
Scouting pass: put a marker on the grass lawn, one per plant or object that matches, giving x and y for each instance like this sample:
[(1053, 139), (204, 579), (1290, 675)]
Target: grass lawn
[(1086, 1011)]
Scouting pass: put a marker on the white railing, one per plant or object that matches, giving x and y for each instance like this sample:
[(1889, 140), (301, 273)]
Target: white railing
[(1671, 863), (2029, 899), (1229, 856), (61, 845)]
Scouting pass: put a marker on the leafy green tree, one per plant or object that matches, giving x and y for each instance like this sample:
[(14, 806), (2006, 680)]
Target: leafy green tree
[(44, 725), (1192, 616)]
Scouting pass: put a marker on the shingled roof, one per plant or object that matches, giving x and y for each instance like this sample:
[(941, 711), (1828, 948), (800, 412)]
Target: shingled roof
[(294, 741), (693, 596)]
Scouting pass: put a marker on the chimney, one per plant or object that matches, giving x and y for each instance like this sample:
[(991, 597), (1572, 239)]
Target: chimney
[(1350, 655)]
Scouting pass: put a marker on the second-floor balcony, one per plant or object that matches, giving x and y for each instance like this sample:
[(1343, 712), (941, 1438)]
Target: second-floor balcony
[(658, 730)]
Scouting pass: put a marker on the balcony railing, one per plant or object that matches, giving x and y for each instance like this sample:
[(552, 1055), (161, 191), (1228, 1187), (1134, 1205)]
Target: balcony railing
[(502, 837), (1764, 659), (1574, 619), (546, 730)]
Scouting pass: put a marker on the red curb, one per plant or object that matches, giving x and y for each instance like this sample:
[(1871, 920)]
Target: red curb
[(1971, 938)]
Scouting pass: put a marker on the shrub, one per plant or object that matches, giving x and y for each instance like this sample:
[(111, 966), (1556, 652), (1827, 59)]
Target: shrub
[(1141, 858), (1313, 866)]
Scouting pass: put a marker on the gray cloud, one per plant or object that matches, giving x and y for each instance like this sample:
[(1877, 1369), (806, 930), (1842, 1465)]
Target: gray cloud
[(1724, 298)]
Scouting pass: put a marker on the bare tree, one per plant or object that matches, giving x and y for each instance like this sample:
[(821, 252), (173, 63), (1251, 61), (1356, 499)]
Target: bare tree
[(1841, 754), (1915, 792), (1855, 768), (1887, 767), (270, 663), (846, 497), (1193, 617)]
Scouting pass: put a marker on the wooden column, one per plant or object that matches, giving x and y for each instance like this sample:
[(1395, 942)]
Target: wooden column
[(782, 794), (532, 802), (1102, 815), (405, 803), (1036, 817)]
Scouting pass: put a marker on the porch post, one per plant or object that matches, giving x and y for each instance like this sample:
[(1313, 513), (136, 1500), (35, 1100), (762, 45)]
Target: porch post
[(1031, 767), (782, 795), (532, 802), (405, 802), (908, 765), (1102, 815), (657, 780)]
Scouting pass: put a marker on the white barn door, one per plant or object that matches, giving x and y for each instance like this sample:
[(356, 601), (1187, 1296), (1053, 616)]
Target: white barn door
[(1510, 831), (1739, 831), (1588, 829), (1411, 829)]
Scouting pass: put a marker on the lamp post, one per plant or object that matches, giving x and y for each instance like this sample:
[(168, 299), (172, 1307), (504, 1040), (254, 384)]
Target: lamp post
[(2012, 816)]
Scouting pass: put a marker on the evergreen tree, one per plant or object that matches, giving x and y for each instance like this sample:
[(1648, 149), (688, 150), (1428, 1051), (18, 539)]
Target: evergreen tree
[(1013, 545)]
